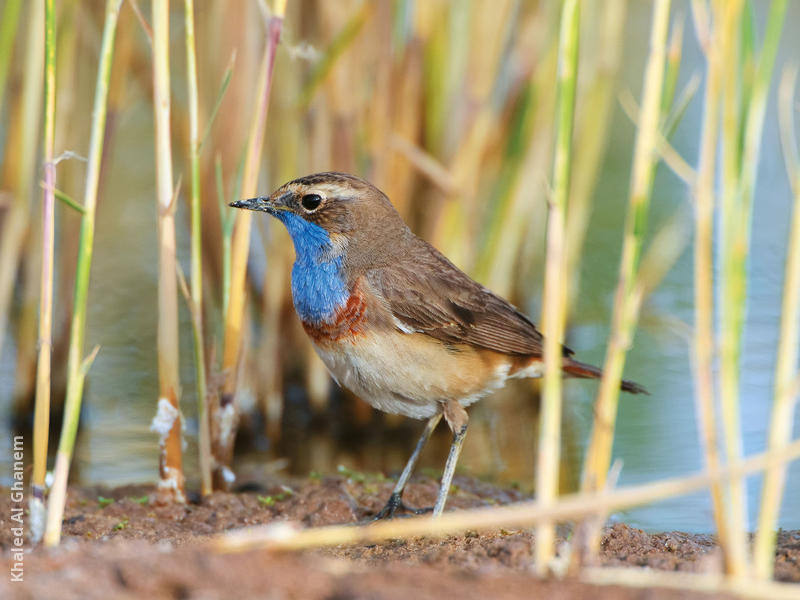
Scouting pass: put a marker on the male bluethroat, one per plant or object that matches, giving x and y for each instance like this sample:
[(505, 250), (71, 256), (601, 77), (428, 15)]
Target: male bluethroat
[(394, 320)]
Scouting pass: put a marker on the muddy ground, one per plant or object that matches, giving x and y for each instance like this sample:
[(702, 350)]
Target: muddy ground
[(118, 544)]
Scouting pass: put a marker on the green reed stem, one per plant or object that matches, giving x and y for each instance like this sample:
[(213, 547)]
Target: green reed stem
[(77, 365), (744, 104), (204, 434), (555, 288), (645, 159), (785, 392), (226, 80), (8, 32), (672, 68), (41, 414)]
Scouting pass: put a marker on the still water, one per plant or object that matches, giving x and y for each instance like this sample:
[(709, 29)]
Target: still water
[(656, 435)]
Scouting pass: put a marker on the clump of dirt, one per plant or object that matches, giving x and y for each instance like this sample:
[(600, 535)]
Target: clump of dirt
[(116, 543)]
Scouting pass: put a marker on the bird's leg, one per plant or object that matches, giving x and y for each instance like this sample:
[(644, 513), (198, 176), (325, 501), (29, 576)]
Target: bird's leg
[(396, 499), (457, 419)]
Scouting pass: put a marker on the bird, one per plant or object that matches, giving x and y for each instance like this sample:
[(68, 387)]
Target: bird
[(394, 320)]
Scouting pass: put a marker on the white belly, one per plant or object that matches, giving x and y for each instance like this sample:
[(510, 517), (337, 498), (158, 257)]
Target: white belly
[(409, 374)]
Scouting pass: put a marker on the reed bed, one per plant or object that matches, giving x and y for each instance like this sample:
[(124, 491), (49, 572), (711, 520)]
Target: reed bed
[(458, 112), (79, 365)]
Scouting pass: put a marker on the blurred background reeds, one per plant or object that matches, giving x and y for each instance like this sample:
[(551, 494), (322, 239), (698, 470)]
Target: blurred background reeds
[(451, 109)]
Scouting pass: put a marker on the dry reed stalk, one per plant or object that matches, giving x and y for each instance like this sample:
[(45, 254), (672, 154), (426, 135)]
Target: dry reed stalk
[(223, 408), (785, 391), (41, 419), (555, 287), (709, 583), (77, 365), (286, 536), (168, 422), (645, 159), (204, 433)]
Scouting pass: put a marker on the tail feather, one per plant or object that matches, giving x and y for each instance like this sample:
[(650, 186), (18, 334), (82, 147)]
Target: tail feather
[(584, 371)]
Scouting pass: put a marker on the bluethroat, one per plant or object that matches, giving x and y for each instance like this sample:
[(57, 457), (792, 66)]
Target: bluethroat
[(396, 322)]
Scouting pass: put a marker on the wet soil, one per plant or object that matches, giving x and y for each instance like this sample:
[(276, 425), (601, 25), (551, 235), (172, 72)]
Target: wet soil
[(118, 544)]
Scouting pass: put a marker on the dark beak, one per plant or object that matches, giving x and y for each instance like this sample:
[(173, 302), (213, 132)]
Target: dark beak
[(262, 203)]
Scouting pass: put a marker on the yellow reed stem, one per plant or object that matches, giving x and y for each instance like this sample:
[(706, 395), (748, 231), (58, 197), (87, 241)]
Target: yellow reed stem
[(785, 392), (704, 280), (168, 421), (41, 418), (555, 289)]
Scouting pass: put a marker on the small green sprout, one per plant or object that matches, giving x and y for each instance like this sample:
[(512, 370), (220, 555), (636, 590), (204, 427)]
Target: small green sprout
[(121, 525)]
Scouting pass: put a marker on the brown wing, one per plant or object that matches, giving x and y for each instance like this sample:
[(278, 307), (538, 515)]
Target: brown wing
[(426, 293)]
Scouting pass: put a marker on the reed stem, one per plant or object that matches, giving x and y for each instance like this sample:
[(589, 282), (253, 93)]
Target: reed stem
[(555, 288), (733, 279), (224, 409), (77, 366), (168, 422), (41, 418), (592, 135), (9, 22), (645, 159), (703, 339), (785, 392), (204, 433)]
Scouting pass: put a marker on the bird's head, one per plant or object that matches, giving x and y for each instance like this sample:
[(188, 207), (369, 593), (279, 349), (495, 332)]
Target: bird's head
[(331, 212)]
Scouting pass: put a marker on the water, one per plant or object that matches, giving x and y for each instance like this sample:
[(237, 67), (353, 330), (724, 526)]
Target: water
[(656, 435)]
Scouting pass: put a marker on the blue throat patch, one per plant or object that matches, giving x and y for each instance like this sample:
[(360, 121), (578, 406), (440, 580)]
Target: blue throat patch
[(319, 287)]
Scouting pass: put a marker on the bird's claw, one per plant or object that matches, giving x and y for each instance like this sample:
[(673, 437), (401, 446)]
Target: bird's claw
[(395, 504)]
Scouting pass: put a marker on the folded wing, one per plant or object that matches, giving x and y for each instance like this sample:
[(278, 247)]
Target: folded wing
[(426, 293)]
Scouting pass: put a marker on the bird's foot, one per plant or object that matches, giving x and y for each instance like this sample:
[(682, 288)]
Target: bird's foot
[(396, 504)]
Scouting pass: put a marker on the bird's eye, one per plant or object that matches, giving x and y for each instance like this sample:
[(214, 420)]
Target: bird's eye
[(311, 202)]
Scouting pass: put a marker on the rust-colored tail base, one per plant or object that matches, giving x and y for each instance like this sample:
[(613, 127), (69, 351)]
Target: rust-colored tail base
[(584, 371)]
